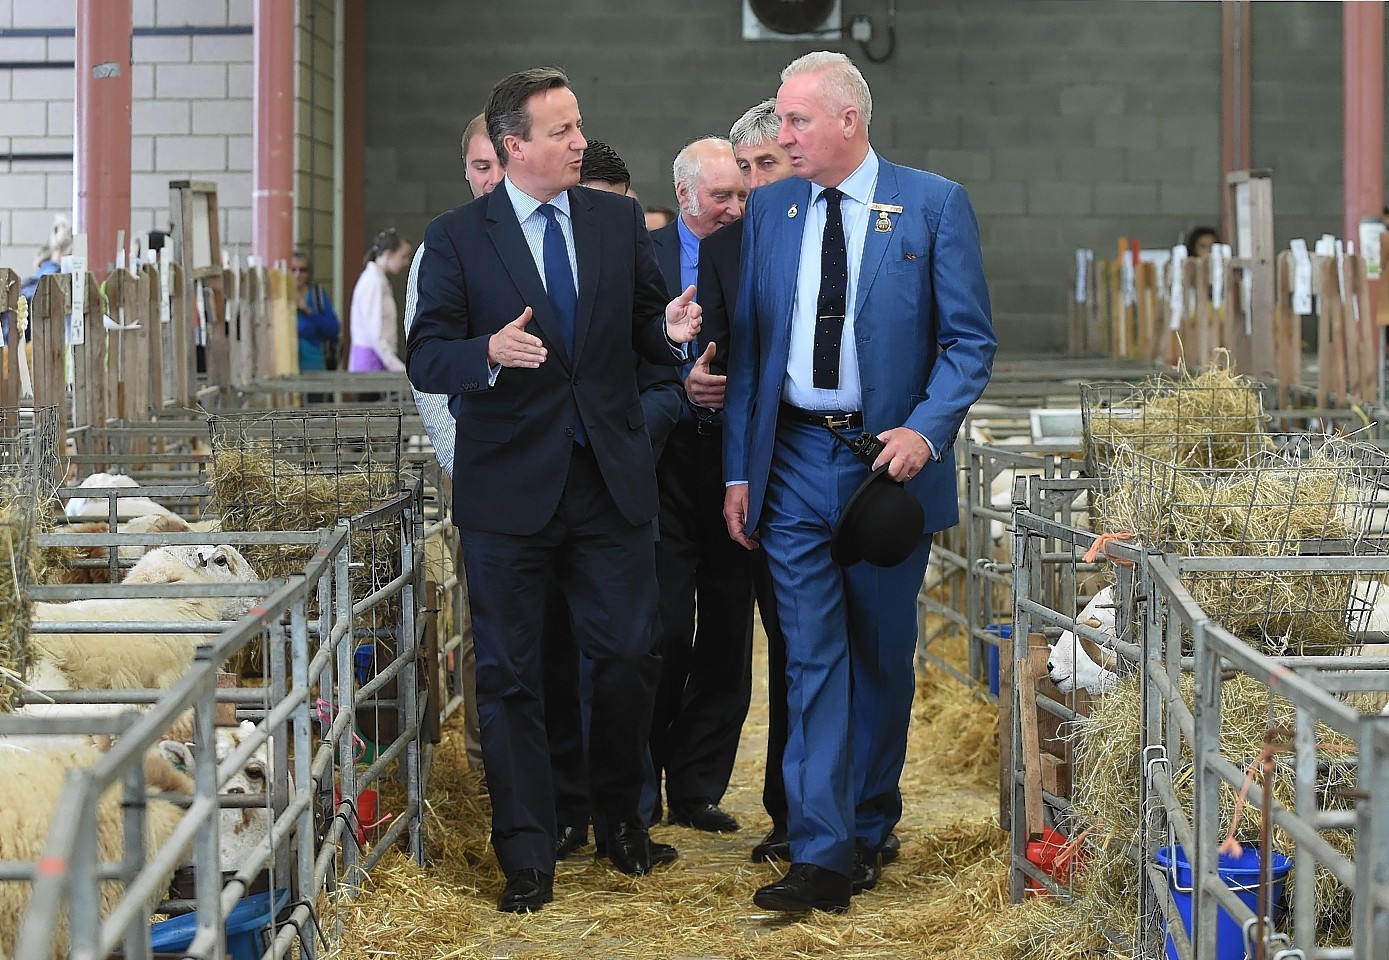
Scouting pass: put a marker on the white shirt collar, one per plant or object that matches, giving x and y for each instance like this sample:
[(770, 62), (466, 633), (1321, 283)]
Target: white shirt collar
[(857, 185), (525, 205)]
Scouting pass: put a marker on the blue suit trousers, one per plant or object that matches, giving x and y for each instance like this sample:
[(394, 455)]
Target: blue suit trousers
[(850, 654)]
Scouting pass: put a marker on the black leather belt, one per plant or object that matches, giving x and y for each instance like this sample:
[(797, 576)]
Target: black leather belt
[(830, 419)]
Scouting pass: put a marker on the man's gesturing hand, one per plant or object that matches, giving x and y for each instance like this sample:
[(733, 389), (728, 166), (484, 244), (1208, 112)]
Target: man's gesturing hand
[(512, 346), (905, 451), (703, 387), (735, 514), (683, 317)]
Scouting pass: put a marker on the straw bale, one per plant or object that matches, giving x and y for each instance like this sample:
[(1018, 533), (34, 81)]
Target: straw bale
[(1211, 419), (1106, 786), (21, 564)]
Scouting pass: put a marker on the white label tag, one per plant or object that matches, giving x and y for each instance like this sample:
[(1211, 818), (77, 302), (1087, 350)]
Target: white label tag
[(1219, 252), (1176, 294), (1301, 278), (1370, 231), (1084, 260), (77, 326), (166, 279)]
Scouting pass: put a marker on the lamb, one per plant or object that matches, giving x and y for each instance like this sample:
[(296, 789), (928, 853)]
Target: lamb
[(127, 508), (28, 798), (241, 829), (1076, 662), (153, 523), (116, 661)]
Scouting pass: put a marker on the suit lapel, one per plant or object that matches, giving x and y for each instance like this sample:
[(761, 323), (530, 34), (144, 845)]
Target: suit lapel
[(667, 243), (787, 235), (875, 243), (588, 248), (515, 254)]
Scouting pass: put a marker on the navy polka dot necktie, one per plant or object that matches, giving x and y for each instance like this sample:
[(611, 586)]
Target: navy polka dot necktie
[(834, 291)]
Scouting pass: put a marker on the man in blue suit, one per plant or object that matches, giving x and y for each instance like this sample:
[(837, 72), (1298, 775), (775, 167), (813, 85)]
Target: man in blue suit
[(862, 307), (532, 301)]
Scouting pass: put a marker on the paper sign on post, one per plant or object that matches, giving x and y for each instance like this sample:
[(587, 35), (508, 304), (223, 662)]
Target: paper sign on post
[(1176, 296), (1370, 230), (1302, 278), (77, 326)]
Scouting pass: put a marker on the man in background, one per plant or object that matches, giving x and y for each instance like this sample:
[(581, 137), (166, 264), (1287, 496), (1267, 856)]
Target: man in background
[(483, 173), (706, 674)]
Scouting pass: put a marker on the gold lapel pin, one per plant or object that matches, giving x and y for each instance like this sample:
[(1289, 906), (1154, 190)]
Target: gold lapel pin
[(884, 224), (791, 214)]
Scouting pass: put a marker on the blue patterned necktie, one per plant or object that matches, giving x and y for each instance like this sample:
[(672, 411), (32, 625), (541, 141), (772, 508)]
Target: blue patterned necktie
[(834, 290), (564, 299), (559, 278)]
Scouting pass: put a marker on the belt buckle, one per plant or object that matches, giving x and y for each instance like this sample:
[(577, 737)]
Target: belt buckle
[(840, 423)]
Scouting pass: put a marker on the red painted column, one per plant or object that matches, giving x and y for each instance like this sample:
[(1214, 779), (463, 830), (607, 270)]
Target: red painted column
[(101, 129), (1236, 99), (1363, 25), (272, 214)]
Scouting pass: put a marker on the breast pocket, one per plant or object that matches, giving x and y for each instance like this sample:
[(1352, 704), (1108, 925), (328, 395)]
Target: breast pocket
[(907, 262)]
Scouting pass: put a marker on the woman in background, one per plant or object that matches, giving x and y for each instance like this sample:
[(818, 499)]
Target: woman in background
[(374, 317), (318, 321)]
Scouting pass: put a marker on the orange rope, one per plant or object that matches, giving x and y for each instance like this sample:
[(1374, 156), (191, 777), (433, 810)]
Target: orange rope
[(1101, 546), (1276, 741)]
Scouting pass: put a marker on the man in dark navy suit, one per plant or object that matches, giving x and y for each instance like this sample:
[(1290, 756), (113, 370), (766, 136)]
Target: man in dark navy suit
[(531, 303), (705, 683)]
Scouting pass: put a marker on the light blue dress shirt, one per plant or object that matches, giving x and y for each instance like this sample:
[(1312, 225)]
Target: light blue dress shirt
[(799, 389), (533, 227)]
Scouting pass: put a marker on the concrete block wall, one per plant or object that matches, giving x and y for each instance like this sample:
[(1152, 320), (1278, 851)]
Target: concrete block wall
[(1071, 122), (190, 115), (314, 142)]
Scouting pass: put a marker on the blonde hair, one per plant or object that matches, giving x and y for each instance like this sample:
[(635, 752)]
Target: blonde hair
[(842, 85)]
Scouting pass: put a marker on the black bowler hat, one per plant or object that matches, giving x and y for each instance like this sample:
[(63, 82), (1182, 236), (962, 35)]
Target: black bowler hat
[(882, 523)]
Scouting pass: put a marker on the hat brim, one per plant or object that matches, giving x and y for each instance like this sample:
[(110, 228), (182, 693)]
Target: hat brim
[(846, 550)]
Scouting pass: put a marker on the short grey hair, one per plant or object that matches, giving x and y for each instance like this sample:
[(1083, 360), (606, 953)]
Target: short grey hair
[(842, 86), (688, 163), (758, 126)]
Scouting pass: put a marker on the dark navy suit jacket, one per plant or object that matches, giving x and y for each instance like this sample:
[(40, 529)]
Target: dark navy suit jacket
[(514, 439)]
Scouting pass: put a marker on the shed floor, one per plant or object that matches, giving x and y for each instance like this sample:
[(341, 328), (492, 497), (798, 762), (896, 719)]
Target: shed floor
[(700, 907)]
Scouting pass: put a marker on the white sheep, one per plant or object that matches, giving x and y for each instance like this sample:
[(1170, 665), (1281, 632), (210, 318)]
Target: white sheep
[(29, 794), (126, 507), (1077, 662), (222, 563), (241, 829), (153, 523), (92, 661)]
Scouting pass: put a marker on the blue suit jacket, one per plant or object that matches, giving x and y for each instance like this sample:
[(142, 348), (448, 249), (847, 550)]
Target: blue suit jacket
[(922, 325), (513, 450)]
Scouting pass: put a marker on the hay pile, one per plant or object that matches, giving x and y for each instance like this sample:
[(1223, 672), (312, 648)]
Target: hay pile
[(948, 888), (255, 492), (1213, 419), (1106, 792), (21, 563)]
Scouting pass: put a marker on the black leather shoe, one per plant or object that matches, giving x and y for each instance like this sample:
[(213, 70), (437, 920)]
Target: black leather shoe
[(702, 815), (806, 887), (629, 848), (663, 853), (892, 848), (568, 839), (526, 891), (868, 867), (774, 846)]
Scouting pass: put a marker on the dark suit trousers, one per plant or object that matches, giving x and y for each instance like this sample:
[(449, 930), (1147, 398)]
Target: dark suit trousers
[(706, 677), (605, 568), (773, 780), (566, 720)]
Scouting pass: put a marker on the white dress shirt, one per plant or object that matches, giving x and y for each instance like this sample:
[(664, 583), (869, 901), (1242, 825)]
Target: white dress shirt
[(798, 388), (433, 407)]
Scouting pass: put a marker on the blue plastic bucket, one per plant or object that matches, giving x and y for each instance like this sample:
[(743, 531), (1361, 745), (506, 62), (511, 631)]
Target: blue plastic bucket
[(1004, 631), (1241, 874), (244, 925)]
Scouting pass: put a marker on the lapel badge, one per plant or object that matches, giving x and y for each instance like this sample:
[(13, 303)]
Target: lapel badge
[(884, 224), (791, 214)]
